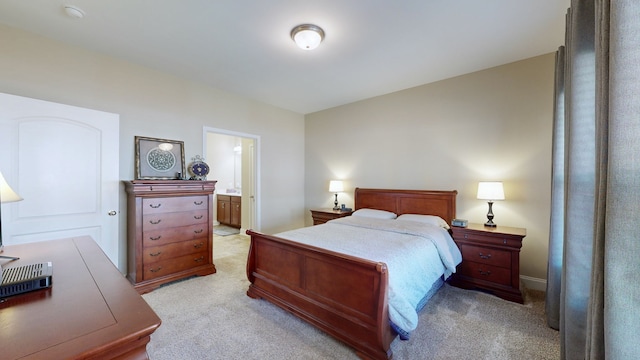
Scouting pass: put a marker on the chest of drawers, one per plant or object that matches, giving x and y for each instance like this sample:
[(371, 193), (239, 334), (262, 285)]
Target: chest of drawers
[(170, 231), (490, 260)]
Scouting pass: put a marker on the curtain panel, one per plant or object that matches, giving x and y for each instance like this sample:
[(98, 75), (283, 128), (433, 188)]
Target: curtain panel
[(621, 243), (556, 228), (594, 252)]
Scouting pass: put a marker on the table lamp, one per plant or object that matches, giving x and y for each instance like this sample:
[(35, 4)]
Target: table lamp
[(335, 186), (7, 195), (491, 191)]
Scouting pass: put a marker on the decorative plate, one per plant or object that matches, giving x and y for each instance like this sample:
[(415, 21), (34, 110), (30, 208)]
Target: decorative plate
[(198, 168), (161, 160)]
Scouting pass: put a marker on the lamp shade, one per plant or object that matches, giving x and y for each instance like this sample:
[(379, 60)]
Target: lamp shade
[(6, 192), (335, 186), (490, 190)]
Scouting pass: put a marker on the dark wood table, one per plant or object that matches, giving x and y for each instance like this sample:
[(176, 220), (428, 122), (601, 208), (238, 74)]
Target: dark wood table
[(91, 311)]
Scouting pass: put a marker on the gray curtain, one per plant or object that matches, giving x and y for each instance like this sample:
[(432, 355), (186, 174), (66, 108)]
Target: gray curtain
[(594, 252), (556, 228)]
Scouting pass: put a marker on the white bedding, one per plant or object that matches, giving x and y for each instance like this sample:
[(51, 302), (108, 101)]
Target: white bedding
[(416, 255)]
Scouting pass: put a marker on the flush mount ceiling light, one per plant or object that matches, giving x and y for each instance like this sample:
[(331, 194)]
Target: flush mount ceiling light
[(73, 11), (307, 36)]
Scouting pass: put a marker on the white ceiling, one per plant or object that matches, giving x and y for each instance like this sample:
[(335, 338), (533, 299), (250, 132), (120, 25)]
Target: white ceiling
[(371, 48)]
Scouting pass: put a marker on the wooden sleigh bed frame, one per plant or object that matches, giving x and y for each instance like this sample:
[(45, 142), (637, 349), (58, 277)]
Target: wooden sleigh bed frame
[(342, 295)]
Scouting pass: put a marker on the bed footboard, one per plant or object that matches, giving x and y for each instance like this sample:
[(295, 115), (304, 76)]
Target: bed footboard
[(342, 295)]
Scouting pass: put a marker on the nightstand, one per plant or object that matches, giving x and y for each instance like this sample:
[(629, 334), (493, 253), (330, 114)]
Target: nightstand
[(321, 216), (490, 259)]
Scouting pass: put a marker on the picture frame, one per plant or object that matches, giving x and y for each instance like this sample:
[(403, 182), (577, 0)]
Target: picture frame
[(159, 159)]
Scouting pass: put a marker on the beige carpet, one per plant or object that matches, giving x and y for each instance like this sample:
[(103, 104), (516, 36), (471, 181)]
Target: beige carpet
[(212, 318)]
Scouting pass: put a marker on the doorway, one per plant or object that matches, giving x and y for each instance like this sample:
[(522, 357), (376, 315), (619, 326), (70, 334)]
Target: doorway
[(234, 159)]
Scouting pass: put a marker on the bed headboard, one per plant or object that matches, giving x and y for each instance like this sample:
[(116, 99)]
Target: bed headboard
[(426, 202)]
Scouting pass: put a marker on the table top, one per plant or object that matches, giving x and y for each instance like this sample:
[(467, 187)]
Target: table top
[(506, 230), (330, 210), (89, 309)]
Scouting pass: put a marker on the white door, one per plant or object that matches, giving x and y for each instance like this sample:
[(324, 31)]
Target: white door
[(63, 160)]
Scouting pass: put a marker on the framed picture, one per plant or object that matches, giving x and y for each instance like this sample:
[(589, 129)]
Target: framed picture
[(159, 159)]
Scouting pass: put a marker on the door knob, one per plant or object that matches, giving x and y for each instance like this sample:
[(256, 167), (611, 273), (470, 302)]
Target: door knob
[(112, 213)]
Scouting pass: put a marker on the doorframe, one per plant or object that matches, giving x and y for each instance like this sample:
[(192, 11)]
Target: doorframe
[(257, 225)]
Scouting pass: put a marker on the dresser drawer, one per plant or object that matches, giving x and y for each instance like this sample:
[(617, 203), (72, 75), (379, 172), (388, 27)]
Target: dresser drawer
[(167, 220), (483, 255), (490, 273), (163, 252), (173, 265), (173, 204), (488, 239), (175, 234)]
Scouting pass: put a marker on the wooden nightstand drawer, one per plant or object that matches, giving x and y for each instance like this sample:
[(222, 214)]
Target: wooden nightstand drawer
[(496, 239), (494, 274), (485, 255)]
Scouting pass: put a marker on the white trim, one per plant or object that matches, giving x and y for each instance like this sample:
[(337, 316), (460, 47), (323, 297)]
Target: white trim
[(534, 283), (207, 129)]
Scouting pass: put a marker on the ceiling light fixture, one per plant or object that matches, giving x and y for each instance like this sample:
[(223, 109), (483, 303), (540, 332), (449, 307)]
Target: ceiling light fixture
[(307, 36), (73, 11)]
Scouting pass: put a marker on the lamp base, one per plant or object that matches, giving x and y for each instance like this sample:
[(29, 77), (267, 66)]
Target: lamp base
[(335, 203), (490, 224)]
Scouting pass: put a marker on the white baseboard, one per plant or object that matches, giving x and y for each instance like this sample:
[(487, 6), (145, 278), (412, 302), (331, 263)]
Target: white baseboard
[(534, 283)]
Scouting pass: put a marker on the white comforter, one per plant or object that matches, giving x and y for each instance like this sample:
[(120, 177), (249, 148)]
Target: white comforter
[(416, 255)]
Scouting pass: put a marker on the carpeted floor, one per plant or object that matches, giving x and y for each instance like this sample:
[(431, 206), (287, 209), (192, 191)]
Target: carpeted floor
[(211, 317)]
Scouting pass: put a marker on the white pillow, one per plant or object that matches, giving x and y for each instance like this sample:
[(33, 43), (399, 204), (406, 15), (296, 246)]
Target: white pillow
[(373, 213), (428, 219)]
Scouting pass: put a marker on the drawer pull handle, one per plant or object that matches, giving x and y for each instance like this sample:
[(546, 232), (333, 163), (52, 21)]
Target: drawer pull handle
[(198, 217), (155, 238), (200, 259), (485, 273), (155, 254), (198, 246), (466, 236), (198, 202), (483, 256), (198, 231), (156, 270), (155, 222), (155, 206)]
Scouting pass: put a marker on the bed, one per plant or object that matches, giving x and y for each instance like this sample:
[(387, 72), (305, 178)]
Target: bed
[(344, 295)]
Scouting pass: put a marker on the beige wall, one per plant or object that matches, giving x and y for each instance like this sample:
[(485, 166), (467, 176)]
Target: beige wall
[(490, 125), (151, 103), (493, 124)]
